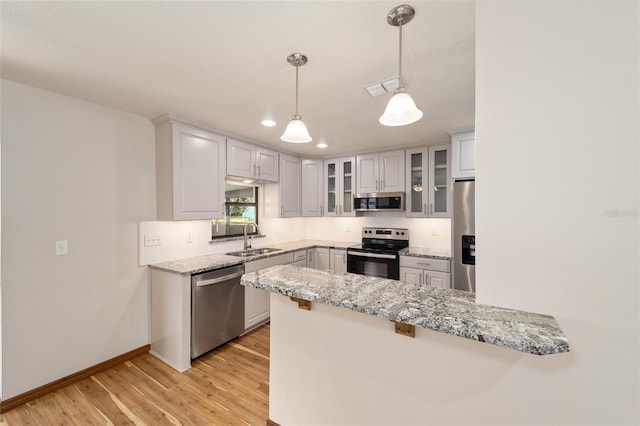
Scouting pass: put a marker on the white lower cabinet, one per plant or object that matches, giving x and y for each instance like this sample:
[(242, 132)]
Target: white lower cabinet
[(318, 258), (338, 260), (300, 258), (256, 302), (421, 270)]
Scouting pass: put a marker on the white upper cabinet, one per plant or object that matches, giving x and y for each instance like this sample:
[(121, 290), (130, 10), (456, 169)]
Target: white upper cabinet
[(250, 161), (339, 182), (417, 204), (429, 181), (190, 171), (381, 172), (463, 146), (289, 186), (440, 180), (312, 195), (266, 164), (368, 179)]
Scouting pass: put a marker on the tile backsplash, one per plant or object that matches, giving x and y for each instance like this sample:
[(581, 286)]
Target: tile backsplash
[(181, 239)]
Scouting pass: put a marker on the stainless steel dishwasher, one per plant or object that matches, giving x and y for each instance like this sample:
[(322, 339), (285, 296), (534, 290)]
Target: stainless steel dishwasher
[(217, 308)]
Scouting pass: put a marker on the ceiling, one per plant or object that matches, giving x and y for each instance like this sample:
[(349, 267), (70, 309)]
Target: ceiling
[(223, 64)]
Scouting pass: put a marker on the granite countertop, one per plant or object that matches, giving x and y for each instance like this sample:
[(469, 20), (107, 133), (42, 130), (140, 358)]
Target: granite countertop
[(426, 252), (210, 262), (448, 311)]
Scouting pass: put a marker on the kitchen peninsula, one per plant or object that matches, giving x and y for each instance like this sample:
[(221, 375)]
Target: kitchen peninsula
[(385, 376), (448, 311)]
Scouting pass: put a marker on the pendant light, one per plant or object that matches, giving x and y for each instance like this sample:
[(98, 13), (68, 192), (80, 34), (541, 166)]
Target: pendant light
[(296, 131), (401, 110)]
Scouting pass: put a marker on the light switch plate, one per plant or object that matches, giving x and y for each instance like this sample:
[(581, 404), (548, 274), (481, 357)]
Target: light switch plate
[(152, 240), (62, 247)]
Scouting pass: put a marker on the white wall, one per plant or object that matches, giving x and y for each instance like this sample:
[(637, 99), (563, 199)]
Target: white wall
[(76, 171), (557, 222), (558, 192)]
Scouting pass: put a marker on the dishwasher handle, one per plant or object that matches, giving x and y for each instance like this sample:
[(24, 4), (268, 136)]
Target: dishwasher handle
[(219, 279)]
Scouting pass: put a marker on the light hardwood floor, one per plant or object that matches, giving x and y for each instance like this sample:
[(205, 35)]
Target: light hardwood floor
[(228, 386)]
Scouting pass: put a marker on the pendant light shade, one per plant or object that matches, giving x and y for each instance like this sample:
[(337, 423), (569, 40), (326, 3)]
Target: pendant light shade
[(296, 131), (401, 110)]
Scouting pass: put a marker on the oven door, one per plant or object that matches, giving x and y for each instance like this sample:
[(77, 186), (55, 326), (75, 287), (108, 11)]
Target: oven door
[(383, 265)]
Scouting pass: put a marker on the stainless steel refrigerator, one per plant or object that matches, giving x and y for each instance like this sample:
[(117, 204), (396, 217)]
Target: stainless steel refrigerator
[(463, 235)]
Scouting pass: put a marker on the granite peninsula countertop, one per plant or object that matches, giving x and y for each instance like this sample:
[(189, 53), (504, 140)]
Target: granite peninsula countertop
[(210, 262), (448, 311)]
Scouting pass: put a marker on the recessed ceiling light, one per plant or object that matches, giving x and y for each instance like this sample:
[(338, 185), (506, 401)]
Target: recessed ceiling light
[(247, 181), (268, 123), (322, 145)]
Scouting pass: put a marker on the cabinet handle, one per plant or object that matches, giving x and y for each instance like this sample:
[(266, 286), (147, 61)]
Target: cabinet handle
[(419, 279), (381, 185), (424, 263), (281, 211), (254, 170), (377, 184), (259, 170), (340, 210), (424, 208), (431, 208)]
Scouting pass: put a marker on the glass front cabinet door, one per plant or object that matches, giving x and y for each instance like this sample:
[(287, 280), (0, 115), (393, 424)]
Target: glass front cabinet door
[(416, 203), (339, 180), (440, 180), (428, 181)]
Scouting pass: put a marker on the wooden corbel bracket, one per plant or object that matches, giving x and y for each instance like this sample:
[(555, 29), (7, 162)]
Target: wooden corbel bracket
[(302, 304), (405, 329)]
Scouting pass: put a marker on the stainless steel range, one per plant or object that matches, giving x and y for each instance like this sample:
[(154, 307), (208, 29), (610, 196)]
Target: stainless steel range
[(378, 256)]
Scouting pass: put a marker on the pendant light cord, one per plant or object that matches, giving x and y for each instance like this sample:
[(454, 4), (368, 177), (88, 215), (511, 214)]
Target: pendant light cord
[(297, 89), (400, 56)]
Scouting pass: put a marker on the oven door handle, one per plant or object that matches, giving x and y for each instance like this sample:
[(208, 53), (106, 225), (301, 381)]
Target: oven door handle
[(376, 255)]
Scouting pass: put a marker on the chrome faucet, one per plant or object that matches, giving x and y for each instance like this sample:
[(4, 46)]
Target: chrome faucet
[(247, 244)]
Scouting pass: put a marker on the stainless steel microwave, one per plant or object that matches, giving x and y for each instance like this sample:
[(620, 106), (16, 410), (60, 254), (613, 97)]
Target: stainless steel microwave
[(379, 202)]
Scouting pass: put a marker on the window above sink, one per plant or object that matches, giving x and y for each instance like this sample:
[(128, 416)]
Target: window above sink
[(241, 207)]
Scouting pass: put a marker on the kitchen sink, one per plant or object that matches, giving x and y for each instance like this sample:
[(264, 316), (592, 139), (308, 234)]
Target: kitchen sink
[(253, 252)]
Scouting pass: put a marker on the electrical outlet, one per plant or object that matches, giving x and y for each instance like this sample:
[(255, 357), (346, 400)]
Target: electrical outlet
[(152, 240), (348, 228), (434, 233), (188, 238), (62, 248)]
